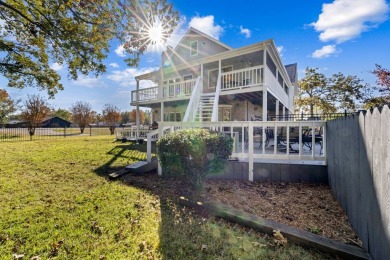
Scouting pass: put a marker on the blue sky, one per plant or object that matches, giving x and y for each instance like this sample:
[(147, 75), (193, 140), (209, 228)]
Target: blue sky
[(348, 36)]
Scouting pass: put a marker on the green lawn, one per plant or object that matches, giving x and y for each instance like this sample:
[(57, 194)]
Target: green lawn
[(55, 201)]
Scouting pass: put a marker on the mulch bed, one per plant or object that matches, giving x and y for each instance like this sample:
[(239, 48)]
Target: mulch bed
[(305, 206)]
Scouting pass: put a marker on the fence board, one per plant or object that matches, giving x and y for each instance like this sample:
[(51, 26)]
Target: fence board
[(359, 174), (385, 177)]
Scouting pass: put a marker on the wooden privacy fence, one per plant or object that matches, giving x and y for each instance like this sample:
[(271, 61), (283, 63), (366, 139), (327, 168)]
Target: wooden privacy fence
[(359, 175)]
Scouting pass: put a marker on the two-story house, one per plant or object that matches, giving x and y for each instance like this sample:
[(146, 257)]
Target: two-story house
[(203, 79)]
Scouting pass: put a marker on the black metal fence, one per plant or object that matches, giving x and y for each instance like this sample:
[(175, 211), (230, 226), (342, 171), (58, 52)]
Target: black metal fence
[(309, 117), (22, 133)]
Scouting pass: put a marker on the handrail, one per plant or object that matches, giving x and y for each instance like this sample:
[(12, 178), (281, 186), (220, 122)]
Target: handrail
[(214, 115), (194, 101), (149, 142)]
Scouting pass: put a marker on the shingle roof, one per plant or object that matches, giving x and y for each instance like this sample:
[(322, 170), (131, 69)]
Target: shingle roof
[(292, 72)]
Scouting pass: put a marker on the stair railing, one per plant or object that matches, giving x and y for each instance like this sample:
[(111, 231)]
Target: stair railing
[(214, 116), (189, 116)]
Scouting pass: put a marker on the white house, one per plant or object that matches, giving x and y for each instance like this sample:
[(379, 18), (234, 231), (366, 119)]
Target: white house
[(203, 79), (245, 92)]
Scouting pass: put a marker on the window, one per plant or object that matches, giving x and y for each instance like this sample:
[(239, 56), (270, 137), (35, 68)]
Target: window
[(194, 48), (174, 117), (270, 64)]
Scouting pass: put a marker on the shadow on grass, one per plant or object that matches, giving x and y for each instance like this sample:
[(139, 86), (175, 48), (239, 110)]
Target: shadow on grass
[(122, 155)]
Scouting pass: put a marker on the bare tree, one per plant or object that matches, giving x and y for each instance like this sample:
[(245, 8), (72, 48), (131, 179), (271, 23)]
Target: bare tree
[(35, 109), (111, 116), (81, 114)]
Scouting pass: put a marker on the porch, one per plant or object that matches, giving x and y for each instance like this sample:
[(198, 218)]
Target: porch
[(291, 141)]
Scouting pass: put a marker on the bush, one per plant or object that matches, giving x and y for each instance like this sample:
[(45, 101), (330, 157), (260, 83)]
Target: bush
[(194, 153)]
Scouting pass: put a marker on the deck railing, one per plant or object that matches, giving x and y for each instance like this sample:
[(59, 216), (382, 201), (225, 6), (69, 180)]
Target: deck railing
[(178, 89), (242, 78), (146, 94), (282, 141)]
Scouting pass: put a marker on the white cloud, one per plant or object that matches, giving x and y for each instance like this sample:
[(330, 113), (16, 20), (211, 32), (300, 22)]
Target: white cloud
[(89, 82), (114, 65), (324, 52), (344, 20), (120, 51), (56, 66), (126, 77), (178, 33), (206, 25), (280, 50), (245, 31)]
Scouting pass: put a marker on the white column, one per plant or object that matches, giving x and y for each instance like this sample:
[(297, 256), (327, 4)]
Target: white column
[(284, 113), (162, 112), (265, 105), (250, 150), (277, 110), (137, 111)]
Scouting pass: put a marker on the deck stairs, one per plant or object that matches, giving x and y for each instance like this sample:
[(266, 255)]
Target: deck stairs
[(204, 110)]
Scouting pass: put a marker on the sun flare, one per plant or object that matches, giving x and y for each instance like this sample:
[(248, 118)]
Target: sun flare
[(155, 34)]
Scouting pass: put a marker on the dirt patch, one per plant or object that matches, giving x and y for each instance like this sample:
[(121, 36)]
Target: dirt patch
[(305, 206)]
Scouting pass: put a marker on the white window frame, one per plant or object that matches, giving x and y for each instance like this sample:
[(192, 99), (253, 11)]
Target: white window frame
[(197, 47)]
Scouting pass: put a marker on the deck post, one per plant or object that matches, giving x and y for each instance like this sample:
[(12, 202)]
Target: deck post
[(250, 150), (137, 110), (265, 105), (277, 110), (284, 113)]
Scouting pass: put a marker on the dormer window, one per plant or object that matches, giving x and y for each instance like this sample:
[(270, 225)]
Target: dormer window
[(194, 48)]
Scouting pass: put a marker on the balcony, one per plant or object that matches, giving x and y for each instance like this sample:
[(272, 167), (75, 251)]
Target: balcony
[(236, 81)]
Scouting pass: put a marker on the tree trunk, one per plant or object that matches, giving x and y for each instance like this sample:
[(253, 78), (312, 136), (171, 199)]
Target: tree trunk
[(82, 130), (311, 110)]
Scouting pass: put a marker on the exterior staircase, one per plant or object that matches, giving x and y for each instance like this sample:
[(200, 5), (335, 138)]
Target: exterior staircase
[(205, 107)]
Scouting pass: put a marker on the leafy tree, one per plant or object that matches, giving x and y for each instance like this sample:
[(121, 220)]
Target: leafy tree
[(383, 80), (75, 34), (63, 113), (111, 116), (375, 102), (35, 109), (329, 94), (125, 117), (7, 106), (312, 91), (147, 117), (346, 92), (81, 114), (133, 116)]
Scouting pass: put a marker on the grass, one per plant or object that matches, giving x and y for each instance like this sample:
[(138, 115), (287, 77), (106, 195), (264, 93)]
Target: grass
[(55, 201)]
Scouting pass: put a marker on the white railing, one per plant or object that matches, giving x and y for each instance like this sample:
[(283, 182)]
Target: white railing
[(131, 134), (267, 141), (189, 116), (147, 94), (242, 78), (214, 115), (274, 86), (178, 89)]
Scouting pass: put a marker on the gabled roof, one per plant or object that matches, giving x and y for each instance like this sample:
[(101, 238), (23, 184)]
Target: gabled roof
[(292, 72), (191, 29)]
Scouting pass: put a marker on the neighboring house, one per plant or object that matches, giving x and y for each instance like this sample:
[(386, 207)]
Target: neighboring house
[(203, 79), (47, 122), (54, 121)]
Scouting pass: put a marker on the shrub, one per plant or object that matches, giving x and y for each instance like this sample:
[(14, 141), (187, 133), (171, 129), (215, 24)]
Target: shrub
[(194, 153)]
